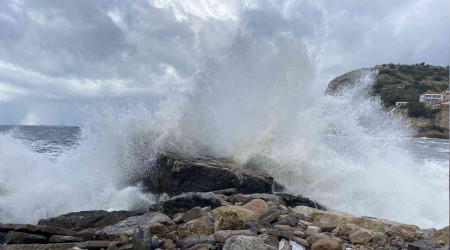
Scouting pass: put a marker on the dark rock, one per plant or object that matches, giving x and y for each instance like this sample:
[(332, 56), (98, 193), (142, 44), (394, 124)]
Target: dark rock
[(202, 247), (24, 238), (2, 238), (270, 240), (346, 80), (246, 198), (98, 244), (36, 229), (298, 200), (174, 175), (64, 239), (51, 246), (255, 225), (78, 221), (242, 242), (193, 213), (290, 220), (227, 192), (423, 244), (187, 201), (222, 235), (86, 234), (269, 217), (281, 233), (197, 239)]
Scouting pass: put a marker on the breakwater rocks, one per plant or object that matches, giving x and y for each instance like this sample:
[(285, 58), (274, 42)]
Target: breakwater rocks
[(234, 218)]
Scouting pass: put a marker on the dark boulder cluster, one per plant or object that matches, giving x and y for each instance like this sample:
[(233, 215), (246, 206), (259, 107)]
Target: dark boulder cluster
[(232, 218)]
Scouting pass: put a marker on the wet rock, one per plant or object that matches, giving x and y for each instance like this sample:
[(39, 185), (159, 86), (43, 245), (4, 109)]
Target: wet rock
[(241, 242), (255, 225), (360, 236), (229, 220), (35, 229), (298, 200), (64, 239), (87, 219), (199, 226), (257, 206), (379, 239), (243, 213), (304, 210), (194, 213), (86, 234), (197, 239), (2, 238), (24, 238), (324, 242), (223, 235), (423, 244), (245, 198), (227, 192), (187, 201), (174, 175), (152, 223)]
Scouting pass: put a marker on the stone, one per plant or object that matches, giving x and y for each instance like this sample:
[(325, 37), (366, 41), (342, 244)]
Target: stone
[(379, 239), (257, 206), (283, 227), (281, 233), (98, 244), (290, 220), (303, 224), (178, 218), (304, 210), (197, 239), (441, 235), (174, 175), (86, 234), (78, 221), (423, 244), (227, 192), (187, 201), (270, 240), (202, 247), (223, 235), (24, 238), (64, 239), (193, 213), (36, 229), (199, 226), (2, 238), (269, 216), (398, 242), (255, 225), (297, 200), (242, 242), (322, 241), (312, 230), (284, 245), (301, 241), (152, 223), (243, 213), (229, 220), (360, 236), (245, 198), (299, 234)]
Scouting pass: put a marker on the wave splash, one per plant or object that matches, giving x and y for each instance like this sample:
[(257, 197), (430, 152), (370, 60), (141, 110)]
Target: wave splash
[(263, 104)]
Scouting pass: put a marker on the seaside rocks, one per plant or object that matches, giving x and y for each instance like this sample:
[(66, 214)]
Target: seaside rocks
[(199, 226), (35, 229), (242, 242), (78, 221), (24, 238), (174, 175), (360, 236), (324, 242)]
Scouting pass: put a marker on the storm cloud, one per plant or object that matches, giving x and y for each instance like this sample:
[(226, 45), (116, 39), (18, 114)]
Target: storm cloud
[(56, 56)]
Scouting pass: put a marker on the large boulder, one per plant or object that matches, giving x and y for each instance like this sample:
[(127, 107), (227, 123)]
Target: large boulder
[(199, 226), (242, 212), (78, 221), (24, 238), (35, 229), (242, 242), (324, 242), (441, 235), (174, 175), (187, 201), (148, 224), (257, 206)]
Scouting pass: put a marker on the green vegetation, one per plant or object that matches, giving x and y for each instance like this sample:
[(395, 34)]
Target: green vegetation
[(418, 109), (407, 82)]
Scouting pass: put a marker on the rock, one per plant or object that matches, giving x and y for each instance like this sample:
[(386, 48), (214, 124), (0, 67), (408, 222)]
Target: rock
[(270, 240), (398, 242), (35, 229), (187, 201), (199, 226), (24, 238), (86, 234), (98, 244), (227, 192), (194, 213), (298, 200), (284, 227), (173, 175), (281, 233), (290, 220), (152, 223), (299, 234), (229, 220), (304, 210), (197, 239), (245, 198), (243, 213), (284, 245), (360, 236), (423, 244), (202, 247), (87, 219), (347, 80), (379, 239), (223, 235), (64, 239), (270, 215), (441, 235), (255, 225), (324, 242), (178, 218), (242, 242), (257, 206), (301, 241), (303, 224), (312, 230), (2, 238)]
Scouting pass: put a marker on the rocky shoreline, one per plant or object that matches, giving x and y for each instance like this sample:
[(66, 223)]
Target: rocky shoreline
[(213, 204)]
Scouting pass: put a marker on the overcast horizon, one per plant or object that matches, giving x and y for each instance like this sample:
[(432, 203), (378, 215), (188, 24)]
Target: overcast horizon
[(57, 57)]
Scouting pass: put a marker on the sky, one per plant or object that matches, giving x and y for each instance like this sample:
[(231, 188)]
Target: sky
[(57, 56)]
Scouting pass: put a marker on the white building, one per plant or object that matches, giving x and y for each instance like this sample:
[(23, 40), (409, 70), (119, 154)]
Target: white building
[(400, 103), (431, 97)]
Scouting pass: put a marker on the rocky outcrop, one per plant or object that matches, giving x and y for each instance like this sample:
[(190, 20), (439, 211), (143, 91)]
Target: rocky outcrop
[(174, 175)]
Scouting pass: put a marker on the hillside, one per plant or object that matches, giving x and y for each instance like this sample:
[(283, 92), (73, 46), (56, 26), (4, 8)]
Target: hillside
[(405, 83)]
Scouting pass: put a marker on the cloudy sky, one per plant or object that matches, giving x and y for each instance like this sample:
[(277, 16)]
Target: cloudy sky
[(58, 55)]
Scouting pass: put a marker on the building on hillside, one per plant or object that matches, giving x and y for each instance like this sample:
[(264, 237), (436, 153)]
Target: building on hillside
[(431, 97), (398, 104), (446, 95), (443, 105)]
